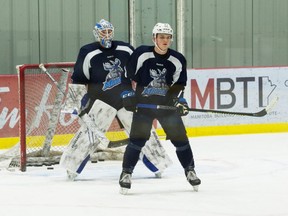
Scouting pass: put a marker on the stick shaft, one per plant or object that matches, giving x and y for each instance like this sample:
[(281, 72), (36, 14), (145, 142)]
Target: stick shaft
[(261, 113)]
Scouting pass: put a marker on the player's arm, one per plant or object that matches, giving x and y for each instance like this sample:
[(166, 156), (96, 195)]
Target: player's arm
[(81, 68), (175, 94)]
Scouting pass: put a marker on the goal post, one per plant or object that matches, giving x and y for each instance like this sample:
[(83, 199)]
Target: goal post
[(38, 123), (45, 131)]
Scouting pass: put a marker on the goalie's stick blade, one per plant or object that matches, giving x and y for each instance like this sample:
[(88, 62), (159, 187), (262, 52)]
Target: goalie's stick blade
[(118, 143)]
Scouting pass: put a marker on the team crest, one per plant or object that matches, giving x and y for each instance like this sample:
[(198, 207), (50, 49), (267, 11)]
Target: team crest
[(158, 85), (113, 78)]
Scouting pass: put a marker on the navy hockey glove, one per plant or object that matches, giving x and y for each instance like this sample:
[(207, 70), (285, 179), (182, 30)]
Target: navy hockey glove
[(129, 100), (182, 106)]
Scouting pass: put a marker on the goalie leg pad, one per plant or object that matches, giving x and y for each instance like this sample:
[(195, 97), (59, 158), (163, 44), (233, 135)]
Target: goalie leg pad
[(90, 136), (153, 155)]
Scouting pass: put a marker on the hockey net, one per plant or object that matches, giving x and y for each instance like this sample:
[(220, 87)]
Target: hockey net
[(45, 131)]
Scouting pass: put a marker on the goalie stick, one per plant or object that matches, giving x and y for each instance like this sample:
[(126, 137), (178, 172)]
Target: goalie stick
[(261, 113)]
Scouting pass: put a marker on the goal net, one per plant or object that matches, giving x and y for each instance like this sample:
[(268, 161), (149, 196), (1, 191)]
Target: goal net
[(45, 131)]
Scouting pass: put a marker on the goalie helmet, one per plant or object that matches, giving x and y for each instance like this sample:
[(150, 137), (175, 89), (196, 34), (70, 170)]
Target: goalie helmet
[(104, 33), (162, 28)]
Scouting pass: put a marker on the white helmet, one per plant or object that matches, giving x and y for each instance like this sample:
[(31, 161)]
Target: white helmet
[(163, 28), (105, 38)]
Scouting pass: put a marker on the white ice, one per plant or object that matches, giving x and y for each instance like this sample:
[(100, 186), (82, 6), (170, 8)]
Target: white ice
[(242, 175)]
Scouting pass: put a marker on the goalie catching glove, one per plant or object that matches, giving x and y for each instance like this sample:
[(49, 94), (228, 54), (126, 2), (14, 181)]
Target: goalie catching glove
[(182, 106), (129, 100)]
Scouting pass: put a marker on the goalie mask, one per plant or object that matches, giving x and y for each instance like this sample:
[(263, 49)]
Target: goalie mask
[(104, 33)]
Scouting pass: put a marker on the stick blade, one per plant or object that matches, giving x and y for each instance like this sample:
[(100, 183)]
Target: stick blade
[(261, 113), (272, 104)]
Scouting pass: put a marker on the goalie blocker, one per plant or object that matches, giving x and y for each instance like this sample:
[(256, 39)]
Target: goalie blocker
[(85, 141)]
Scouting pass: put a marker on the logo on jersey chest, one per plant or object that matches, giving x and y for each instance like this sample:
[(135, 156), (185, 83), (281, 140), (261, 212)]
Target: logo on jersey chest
[(113, 78), (158, 85)]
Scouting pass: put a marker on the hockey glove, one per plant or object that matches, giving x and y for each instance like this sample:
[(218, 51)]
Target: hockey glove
[(182, 106), (129, 100)]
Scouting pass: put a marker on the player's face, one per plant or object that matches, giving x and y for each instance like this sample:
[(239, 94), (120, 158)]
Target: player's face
[(163, 41)]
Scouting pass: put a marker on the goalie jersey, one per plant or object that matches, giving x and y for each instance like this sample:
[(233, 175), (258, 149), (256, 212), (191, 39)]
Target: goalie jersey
[(102, 70)]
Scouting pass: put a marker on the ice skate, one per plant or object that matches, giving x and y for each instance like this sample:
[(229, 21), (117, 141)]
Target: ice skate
[(71, 176), (192, 178), (125, 182)]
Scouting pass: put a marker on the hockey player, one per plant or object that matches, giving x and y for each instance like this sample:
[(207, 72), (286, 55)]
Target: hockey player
[(99, 66), (161, 76)]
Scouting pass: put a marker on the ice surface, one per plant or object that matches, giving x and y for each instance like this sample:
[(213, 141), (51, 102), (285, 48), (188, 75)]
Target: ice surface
[(243, 175)]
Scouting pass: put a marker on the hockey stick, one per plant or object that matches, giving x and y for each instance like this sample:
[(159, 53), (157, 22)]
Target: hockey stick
[(118, 143), (85, 119), (261, 113)]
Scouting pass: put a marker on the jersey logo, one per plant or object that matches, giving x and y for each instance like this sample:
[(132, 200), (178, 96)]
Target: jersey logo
[(158, 85), (113, 78)]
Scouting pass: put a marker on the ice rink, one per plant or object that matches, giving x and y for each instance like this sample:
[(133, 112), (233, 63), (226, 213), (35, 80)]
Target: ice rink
[(243, 175)]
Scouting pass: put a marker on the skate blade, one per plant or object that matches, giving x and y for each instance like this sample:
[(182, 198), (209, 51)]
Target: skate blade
[(195, 188), (123, 191), (71, 176), (158, 175)]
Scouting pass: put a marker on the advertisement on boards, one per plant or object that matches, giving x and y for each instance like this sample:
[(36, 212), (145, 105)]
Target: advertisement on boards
[(245, 90)]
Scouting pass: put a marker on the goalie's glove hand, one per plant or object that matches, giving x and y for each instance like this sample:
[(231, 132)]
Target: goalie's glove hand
[(182, 106), (129, 100)]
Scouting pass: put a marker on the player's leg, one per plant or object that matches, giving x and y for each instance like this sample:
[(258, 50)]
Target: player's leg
[(176, 132), (153, 154), (86, 140), (140, 133)]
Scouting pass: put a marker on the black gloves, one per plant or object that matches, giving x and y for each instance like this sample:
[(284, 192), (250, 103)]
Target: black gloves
[(129, 100), (182, 106)]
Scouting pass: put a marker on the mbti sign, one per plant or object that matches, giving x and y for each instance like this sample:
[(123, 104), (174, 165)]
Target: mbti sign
[(228, 93)]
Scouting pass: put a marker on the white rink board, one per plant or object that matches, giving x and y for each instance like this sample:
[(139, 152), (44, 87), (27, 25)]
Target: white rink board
[(239, 90)]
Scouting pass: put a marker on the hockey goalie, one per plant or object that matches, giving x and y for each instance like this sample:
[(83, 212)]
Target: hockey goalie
[(100, 69)]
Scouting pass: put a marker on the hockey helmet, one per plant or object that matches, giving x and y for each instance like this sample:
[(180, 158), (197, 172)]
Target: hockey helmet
[(162, 28), (104, 33)]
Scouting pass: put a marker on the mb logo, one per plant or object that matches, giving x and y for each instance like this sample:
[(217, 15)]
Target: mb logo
[(225, 93)]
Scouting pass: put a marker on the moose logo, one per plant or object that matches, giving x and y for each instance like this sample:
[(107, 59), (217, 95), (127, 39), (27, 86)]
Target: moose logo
[(158, 85), (113, 78)]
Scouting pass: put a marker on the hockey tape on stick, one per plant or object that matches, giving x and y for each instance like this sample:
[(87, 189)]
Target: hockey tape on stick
[(261, 113)]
